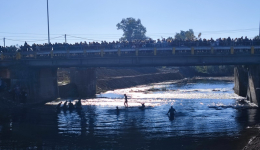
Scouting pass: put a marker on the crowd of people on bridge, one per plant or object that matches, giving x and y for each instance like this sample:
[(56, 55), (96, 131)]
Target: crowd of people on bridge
[(148, 43)]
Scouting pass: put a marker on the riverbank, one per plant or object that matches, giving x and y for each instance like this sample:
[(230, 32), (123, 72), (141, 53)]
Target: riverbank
[(118, 78), (254, 143)]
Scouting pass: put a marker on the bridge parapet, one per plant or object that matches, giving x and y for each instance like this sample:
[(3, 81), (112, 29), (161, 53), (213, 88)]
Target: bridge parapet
[(80, 53)]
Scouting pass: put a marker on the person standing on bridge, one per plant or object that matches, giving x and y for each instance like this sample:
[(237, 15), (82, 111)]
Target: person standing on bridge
[(125, 103)]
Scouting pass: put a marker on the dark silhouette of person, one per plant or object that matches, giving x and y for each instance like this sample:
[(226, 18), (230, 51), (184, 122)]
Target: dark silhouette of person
[(125, 103), (58, 106), (65, 105), (78, 104), (117, 110), (171, 112), (143, 106), (71, 106)]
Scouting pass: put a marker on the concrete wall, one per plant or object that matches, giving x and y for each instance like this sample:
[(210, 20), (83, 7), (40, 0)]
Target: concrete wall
[(247, 82), (68, 90), (39, 83), (85, 80), (253, 84), (241, 80)]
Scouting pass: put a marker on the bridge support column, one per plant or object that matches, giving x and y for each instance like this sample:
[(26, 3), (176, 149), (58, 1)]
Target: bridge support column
[(85, 80), (241, 80), (39, 83), (253, 89)]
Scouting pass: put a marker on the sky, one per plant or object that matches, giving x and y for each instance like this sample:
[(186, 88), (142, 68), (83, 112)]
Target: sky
[(95, 20)]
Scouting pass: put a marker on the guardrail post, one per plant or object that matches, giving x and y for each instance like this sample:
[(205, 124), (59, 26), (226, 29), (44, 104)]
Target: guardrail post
[(155, 51), (102, 53), (252, 50), (192, 50), (119, 52), (232, 50), (68, 53), (136, 52), (2, 56), (51, 54), (84, 52), (212, 50), (18, 55), (173, 50)]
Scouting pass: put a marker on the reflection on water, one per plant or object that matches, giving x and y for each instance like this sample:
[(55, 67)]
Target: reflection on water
[(207, 113)]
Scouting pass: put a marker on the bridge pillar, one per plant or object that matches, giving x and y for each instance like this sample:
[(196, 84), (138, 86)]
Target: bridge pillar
[(85, 80), (39, 83), (253, 89), (241, 80)]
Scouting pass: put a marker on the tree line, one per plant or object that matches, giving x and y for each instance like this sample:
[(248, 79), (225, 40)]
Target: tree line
[(134, 30)]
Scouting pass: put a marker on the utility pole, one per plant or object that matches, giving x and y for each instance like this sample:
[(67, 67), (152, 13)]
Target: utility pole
[(4, 42), (65, 38), (48, 22)]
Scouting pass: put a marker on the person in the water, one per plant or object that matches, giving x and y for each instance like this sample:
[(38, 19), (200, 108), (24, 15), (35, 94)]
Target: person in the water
[(171, 112), (117, 110), (58, 106), (78, 104), (71, 106), (125, 103), (65, 105), (143, 106)]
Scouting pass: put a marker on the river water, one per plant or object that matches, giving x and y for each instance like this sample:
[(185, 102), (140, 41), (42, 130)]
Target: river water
[(209, 116)]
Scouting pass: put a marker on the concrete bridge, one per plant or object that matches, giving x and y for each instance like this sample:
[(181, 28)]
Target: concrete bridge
[(36, 72)]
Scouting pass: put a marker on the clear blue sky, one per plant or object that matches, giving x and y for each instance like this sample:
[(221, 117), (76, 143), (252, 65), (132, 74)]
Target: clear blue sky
[(26, 20)]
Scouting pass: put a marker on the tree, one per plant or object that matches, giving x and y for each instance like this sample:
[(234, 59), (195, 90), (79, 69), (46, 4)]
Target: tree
[(169, 38), (257, 37), (186, 35), (180, 36), (133, 29)]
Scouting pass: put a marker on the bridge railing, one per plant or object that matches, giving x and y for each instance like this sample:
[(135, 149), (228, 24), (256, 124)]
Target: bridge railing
[(137, 45), (142, 52)]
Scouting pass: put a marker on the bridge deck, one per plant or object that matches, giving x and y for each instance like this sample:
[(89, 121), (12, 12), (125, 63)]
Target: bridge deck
[(168, 56)]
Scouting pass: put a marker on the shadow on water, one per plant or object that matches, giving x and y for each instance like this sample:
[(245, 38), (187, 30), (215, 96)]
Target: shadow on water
[(194, 126)]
